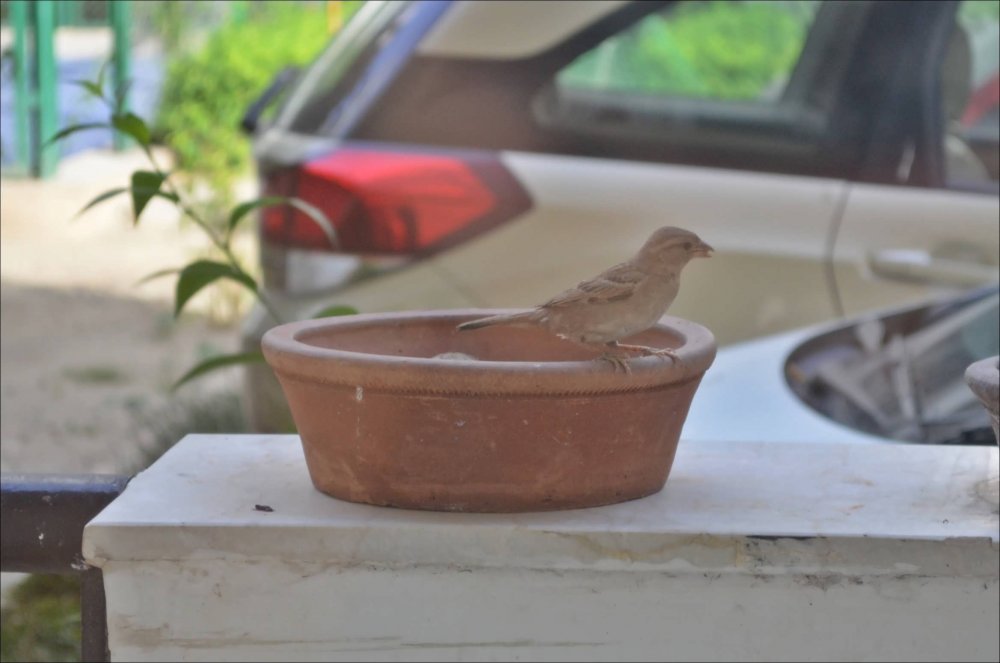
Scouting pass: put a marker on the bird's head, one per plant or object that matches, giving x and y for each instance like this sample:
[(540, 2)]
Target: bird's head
[(672, 247)]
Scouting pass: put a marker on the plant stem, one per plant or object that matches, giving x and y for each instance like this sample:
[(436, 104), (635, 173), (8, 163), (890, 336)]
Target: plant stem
[(219, 242)]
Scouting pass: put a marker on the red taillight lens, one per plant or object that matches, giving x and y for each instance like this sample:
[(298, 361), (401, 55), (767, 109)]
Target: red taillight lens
[(395, 203)]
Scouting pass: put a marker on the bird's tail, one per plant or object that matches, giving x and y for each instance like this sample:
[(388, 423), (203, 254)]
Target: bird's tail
[(503, 319)]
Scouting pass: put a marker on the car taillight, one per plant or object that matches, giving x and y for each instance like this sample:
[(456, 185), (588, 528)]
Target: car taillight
[(393, 203)]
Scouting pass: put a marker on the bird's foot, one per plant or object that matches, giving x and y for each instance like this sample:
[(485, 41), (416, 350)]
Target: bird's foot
[(646, 351), (617, 361)]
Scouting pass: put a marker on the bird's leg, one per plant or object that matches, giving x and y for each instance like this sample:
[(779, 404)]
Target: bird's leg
[(616, 359), (646, 351)]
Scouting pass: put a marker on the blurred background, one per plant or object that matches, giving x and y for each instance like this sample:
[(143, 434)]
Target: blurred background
[(842, 158), (88, 356)]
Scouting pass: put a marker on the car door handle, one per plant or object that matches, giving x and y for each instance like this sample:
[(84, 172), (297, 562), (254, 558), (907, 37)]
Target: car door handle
[(916, 266)]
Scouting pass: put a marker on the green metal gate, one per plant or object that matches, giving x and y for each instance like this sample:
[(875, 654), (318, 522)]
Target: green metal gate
[(35, 72)]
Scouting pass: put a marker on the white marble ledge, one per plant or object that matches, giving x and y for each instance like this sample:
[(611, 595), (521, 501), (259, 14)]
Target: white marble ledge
[(727, 507)]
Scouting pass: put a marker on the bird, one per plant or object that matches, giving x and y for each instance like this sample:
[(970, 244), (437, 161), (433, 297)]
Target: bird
[(625, 299)]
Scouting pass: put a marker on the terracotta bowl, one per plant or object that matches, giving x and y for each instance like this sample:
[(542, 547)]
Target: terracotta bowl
[(524, 422), (983, 378)]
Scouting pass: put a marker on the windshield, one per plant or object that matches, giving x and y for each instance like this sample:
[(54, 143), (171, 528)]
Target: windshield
[(903, 376)]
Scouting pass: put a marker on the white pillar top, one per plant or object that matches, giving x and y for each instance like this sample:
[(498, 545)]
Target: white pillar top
[(747, 507)]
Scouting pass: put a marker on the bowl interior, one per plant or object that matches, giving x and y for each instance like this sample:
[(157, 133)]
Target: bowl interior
[(428, 337)]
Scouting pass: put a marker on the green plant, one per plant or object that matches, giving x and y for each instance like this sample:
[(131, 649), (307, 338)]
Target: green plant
[(144, 185), (41, 620), (176, 23), (208, 88), (205, 93)]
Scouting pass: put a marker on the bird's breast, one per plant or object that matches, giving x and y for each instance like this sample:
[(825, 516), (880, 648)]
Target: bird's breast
[(650, 301)]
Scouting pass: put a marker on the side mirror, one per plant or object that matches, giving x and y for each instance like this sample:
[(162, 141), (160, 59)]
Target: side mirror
[(250, 119)]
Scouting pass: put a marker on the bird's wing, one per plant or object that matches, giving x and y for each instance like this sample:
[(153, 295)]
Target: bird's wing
[(613, 285)]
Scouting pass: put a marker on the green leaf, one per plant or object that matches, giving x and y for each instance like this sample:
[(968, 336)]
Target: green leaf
[(311, 211), (199, 274), (318, 217), (157, 274), (243, 209), (216, 362), (145, 185), (101, 198), (101, 73), (92, 87), (72, 129), (331, 311), (133, 125)]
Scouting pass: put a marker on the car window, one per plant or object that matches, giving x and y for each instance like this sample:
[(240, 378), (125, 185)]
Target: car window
[(970, 93), (742, 84), (743, 51), (902, 375)]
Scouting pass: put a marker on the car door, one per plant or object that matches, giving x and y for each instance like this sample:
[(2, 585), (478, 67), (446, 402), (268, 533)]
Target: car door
[(923, 219)]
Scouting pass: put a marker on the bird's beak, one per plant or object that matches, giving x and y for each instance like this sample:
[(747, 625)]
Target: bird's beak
[(703, 250)]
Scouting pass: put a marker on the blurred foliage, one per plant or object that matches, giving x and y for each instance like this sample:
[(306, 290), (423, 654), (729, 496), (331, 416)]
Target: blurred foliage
[(213, 75), (722, 50), (41, 620), (177, 24), (974, 11), (225, 267), (205, 93)]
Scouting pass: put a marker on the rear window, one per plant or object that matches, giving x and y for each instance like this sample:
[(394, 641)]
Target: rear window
[(317, 96), (751, 85), (723, 84), (736, 51)]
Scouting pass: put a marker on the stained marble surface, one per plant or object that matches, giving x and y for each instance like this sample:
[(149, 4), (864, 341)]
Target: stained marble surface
[(759, 506)]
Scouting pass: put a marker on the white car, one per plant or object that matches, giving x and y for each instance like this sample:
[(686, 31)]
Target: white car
[(838, 156), (887, 376)]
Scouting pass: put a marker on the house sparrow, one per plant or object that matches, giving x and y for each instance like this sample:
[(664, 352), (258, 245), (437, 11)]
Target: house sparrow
[(623, 300)]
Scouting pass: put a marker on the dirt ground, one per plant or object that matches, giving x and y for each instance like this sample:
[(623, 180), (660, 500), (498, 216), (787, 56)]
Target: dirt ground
[(87, 355)]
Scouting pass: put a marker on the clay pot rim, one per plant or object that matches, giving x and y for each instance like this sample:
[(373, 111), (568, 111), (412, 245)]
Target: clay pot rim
[(291, 357), (983, 377)]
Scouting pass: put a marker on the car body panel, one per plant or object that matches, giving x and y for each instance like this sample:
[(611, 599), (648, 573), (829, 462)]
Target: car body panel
[(589, 214), (744, 397), (941, 224)]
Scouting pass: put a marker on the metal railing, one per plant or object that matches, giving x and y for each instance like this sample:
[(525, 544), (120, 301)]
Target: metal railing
[(36, 75), (42, 517)]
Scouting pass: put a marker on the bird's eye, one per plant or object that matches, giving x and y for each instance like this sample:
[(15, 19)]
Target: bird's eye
[(687, 246)]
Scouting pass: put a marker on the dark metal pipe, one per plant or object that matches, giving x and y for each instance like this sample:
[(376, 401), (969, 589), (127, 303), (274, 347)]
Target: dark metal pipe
[(42, 517), (93, 618)]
